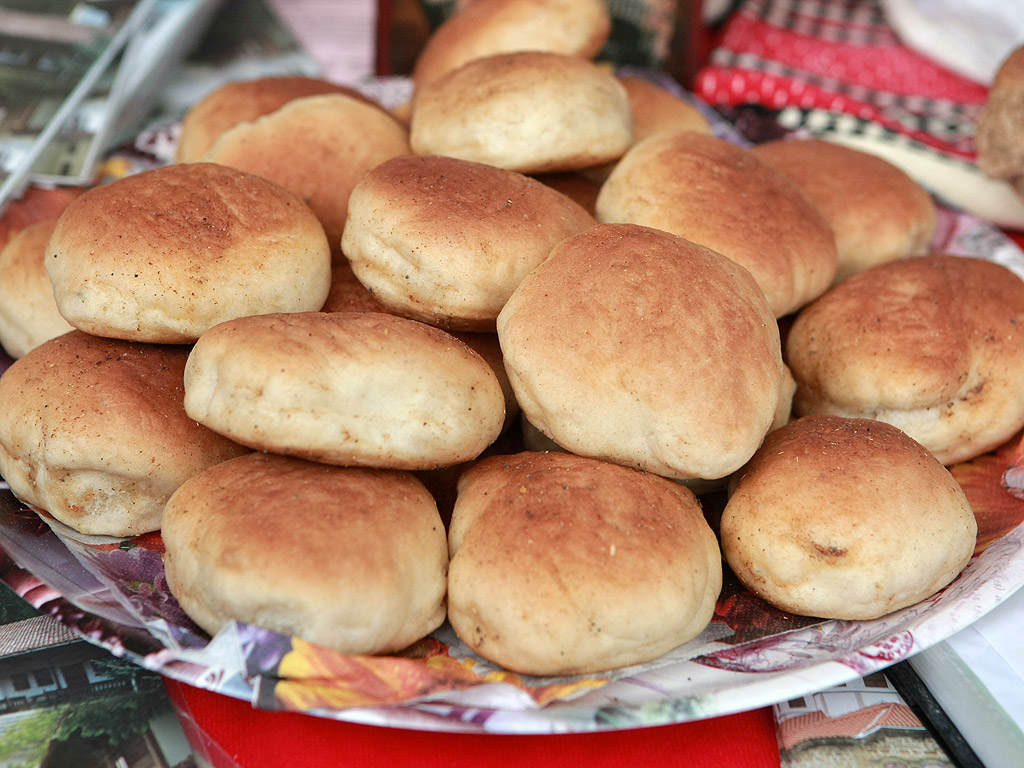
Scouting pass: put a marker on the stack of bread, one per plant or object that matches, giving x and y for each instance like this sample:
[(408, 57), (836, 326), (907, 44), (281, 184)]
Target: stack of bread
[(276, 340)]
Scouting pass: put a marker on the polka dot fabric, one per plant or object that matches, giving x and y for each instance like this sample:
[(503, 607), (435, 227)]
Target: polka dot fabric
[(839, 56)]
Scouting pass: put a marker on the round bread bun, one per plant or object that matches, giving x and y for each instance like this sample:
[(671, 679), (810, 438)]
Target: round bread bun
[(348, 558), (489, 27), (349, 295), (564, 565), (446, 241), (162, 255), (351, 388), (243, 101), (531, 112), (845, 519), (636, 346), (93, 431), (877, 212), (28, 311), (657, 110), (712, 192), (317, 147), (1000, 127), (932, 344)]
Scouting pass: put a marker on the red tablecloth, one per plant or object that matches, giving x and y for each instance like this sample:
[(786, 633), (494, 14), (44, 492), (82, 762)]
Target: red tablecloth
[(230, 733)]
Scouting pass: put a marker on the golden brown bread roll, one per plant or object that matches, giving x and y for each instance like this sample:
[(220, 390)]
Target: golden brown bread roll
[(657, 110), (351, 559), (565, 565), (360, 388), (636, 346), (877, 212), (932, 344), (243, 101), (712, 192), (488, 27), (28, 311), (349, 295), (317, 147), (94, 432), (1000, 135), (532, 112), (162, 255), (446, 241), (846, 519)]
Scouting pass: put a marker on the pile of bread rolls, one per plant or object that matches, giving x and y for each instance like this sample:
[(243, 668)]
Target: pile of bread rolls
[(552, 284)]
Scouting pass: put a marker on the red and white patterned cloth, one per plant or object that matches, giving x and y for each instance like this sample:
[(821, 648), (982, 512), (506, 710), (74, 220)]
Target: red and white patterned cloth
[(839, 64)]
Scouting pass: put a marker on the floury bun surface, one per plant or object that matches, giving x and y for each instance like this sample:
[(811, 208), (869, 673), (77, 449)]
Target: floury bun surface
[(352, 388), (932, 344), (531, 111), (162, 255), (489, 27), (446, 241), (877, 212), (243, 101), (316, 147), (28, 311), (642, 348), (563, 565), (349, 558), (718, 194), (846, 519), (94, 432)]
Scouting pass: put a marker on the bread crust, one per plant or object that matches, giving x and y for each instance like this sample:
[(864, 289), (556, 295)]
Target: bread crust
[(877, 212), (162, 255), (351, 559), (94, 431), (567, 565), (531, 111), (348, 388), (932, 344), (845, 519), (243, 101), (718, 194), (489, 27), (317, 147), (28, 311), (633, 345), (446, 241)]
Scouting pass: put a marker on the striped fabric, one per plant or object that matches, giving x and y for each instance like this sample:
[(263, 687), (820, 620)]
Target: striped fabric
[(839, 60)]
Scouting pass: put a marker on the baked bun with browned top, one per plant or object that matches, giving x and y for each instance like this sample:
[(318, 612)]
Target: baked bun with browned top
[(718, 194), (1000, 130), (349, 295), (28, 311), (845, 519), (565, 565), (636, 346), (163, 255), (317, 147), (932, 344), (350, 559), (488, 27), (446, 241), (94, 431), (532, 112), (877, 212), (360, 388), (657, 110), (243, 101)]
